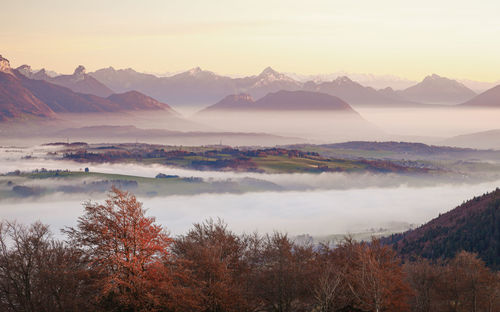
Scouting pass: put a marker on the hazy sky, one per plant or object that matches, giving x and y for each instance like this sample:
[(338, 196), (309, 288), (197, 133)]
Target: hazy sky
[(408, 38)]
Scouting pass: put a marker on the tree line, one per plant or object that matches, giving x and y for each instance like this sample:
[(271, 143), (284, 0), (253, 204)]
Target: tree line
[(119, 259)]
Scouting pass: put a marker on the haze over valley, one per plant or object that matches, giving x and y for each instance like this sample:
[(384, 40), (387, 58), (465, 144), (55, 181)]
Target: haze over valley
[(264, 156)]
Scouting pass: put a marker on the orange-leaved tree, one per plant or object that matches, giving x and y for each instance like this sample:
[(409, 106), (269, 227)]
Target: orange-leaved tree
[(124, 248)]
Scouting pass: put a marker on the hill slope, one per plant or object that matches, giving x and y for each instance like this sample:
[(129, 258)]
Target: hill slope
[(489, 98), (473, 226), (134, 100), (485, 139)]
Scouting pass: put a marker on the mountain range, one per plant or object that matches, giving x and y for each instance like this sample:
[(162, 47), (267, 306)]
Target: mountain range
[(198, 87), (36, 93), (79, 81), (22, 97), (356, 94)]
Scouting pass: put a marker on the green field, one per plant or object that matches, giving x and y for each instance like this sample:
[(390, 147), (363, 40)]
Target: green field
[(283, 164)]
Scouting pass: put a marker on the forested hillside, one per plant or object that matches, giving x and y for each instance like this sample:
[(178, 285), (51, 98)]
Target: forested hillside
[(473, 226)]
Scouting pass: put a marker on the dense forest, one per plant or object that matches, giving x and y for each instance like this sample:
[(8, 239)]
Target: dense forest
[(119, 259), (474, 226)]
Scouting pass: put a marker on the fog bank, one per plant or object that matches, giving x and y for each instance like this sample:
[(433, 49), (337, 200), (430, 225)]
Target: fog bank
[(319, 212)]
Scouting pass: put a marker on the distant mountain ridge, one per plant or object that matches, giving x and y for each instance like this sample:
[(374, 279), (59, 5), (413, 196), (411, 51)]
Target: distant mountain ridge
[(354, 93), (435, 89), (22, 98), (79, 81), (200, 87)]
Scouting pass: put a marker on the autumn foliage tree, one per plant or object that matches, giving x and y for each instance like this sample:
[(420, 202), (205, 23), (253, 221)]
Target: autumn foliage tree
[(123, 246)]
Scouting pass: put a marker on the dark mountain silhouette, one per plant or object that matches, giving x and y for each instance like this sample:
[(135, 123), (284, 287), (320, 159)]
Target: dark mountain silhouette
[(63, 100), (473, 226), (435, 89), (489, 98), (282, 101), (79, 81)]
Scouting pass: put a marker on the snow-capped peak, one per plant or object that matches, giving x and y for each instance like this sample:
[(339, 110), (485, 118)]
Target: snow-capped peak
[(269, 75), (268, 71)]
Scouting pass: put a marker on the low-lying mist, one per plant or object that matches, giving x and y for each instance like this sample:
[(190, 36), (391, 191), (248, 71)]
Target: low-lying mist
[(318, 204), (431, 125), (318, 126), (313, 212)]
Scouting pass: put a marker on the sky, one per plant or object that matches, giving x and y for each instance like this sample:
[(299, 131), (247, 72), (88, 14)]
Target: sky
[(411, 39)]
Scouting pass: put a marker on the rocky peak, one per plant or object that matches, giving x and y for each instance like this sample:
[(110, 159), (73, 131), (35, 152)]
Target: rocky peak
[(79, 71), (5, 66), (25, 70), (269, 71), (269, 75), (40, 75), (433, 77)]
